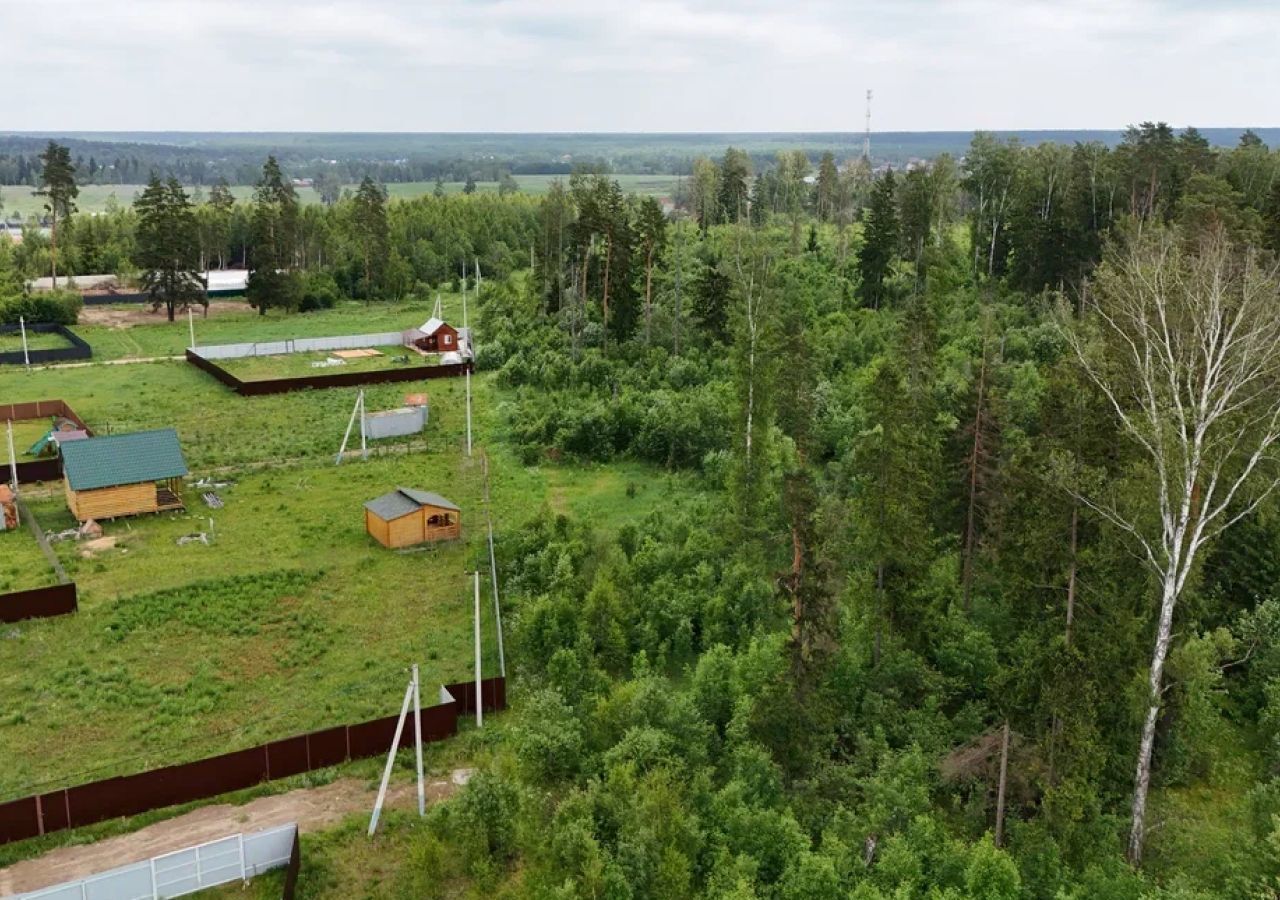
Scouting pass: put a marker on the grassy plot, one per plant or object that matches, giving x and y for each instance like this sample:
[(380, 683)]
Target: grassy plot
[(11, 342), (26, 432), (218, 428), (290, 620), (300, 365), (132, 331), (22, 563)]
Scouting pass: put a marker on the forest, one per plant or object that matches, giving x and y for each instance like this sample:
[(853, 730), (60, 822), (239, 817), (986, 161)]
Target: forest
[(983, 597)]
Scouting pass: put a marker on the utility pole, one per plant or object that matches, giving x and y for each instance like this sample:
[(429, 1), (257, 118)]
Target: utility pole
[(191, 325), (468, 365), (391, 758), (417, 739), (22, 323), (493, 572)]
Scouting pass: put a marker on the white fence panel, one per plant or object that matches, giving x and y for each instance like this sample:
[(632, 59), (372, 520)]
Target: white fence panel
[(302, 345), (234, 858)]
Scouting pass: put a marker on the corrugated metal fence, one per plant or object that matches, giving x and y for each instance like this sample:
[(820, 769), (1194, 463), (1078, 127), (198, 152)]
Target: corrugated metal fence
[(181, 872), (302, 345), (129, 795)]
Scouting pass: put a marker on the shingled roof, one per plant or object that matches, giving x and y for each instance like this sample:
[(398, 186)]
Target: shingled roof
[(403, 501), (119, 459)]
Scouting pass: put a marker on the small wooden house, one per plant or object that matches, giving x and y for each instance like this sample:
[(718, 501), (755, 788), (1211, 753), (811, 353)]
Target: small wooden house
[(436, 336), (123, 474), (406, 517)]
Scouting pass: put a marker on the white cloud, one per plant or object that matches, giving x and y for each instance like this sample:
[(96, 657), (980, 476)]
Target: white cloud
[(631, 65)]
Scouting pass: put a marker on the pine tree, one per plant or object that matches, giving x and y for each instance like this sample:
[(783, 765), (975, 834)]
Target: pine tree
[(369, 219), (828, 187), (879, 242), (58, 185), (651, 234), (168, 246), (272, 280)]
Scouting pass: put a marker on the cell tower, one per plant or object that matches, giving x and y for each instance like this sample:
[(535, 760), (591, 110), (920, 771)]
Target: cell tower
[(866, 140)]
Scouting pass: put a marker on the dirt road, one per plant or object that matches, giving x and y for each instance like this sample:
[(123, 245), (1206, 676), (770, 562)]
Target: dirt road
[(314, 809)]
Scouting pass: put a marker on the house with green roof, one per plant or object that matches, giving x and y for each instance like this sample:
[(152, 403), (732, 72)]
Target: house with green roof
[(405, 516), (123, 474)]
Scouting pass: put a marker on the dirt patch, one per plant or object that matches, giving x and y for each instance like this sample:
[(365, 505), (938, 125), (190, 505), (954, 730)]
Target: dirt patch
[(314, 809), (141, 314), (97, 545)]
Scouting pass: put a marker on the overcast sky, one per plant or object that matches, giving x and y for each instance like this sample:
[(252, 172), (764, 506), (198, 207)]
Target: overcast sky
[(632, 65)]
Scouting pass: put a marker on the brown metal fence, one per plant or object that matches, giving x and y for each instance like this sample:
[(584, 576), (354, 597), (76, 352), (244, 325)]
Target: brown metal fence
[(340, 379), (130, 795), (38, 603)]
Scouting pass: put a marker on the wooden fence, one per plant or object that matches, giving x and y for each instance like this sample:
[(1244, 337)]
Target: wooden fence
[(130, 795)]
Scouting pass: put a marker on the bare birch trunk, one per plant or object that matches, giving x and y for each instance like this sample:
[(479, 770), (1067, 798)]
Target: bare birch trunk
[(1155, 688)]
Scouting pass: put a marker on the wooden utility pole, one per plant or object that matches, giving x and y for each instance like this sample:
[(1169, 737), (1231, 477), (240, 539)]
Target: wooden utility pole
[(1004, 771)]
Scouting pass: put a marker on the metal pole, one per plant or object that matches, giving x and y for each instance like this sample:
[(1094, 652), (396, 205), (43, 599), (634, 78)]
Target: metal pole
[(13, 459), (464, 293), (347, 434), (364, 444), (468, 410), (493, 572), (391, 758), (479, 703), (417, 739), (26, 357), (191, 325)]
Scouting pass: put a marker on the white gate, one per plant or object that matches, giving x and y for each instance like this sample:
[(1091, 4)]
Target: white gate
[(235, 858)]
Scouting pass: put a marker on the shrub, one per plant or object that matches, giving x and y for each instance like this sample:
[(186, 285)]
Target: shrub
[(58, 307)]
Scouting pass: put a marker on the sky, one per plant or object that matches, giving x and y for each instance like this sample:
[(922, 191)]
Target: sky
[(631, 65)]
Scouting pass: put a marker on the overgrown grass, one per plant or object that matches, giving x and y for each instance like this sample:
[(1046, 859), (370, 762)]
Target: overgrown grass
[(157, 336), (11, 342), (294, 365), (22, 564)]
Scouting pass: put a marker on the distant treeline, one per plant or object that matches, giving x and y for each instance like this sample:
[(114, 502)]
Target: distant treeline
[(206, 158)]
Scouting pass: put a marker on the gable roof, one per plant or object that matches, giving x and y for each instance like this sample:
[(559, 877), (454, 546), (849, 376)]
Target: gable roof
[(403, 501), (123, 459), (432, 325)]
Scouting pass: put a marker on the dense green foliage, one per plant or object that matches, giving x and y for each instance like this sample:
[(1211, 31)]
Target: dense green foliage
[(799, 688)]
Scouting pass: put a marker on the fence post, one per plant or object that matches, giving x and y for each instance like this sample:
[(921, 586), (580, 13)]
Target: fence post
[(244, 876), (155, 888)]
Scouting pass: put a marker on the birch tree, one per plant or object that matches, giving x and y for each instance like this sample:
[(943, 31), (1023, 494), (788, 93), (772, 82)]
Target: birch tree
[(1184, 342)]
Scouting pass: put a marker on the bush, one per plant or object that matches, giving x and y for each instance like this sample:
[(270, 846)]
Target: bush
[(57, 307), (319, 291)]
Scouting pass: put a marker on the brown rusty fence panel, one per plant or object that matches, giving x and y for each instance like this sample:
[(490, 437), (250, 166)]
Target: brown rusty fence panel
[(130, 795), (19, 819), (319, 382), (38, 603)]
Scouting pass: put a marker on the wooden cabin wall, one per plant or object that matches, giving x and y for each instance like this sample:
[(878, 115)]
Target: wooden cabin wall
[(377, 528), (407, 530), (111, 502)]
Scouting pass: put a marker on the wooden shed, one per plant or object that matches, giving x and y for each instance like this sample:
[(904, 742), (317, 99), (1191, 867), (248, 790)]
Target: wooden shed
[(436, 336), (123, 474), (406, 517)]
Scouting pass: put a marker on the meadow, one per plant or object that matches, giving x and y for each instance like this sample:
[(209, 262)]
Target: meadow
[(22, 564), (96, 198), (291, 618), (11, 342)]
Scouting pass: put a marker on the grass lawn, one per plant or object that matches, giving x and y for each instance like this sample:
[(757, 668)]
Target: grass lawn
[(22, 563), (295, 365), (293, 618), (157, 336), (11, 342)]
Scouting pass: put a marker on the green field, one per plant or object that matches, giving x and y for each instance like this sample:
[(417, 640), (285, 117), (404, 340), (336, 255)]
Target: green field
[(94, 198), (22, 563), (12, 342), (292, 618), (228, 325)]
